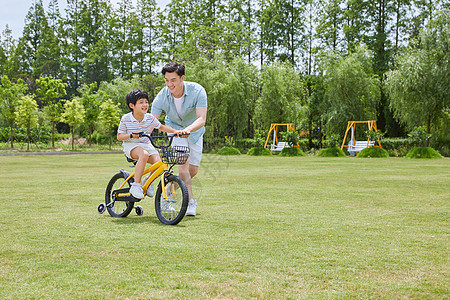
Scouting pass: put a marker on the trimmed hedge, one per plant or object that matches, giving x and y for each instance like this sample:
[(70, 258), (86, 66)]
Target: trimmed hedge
[(259, 151), (292, 151), (228, 151), (423, 152), (373, 152), (331, 152)]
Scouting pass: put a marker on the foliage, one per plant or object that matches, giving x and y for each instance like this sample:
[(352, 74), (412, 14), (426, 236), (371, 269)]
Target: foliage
[(423, 152), (291, 137), (352, 90), (375, 135), (26, 115), (9, 94), (373, 152), (259, 151), (229, 141), (51, 91), (419, 87), (419, 136), (331, 152), (73, 115), (397, 147), (283, 96), (228, 151), (109, 117), (292, 151)]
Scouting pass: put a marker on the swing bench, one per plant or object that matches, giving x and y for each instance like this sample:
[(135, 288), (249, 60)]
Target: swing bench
[(276, 145), (354, 146)]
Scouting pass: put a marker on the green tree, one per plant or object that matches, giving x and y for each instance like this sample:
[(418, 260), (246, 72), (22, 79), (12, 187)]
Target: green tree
[(108, 118), (95, 45), (352, 90), (91, 102), (9, 94), (329, 26), (118, 88), (33, 35), (283, 96), (74, 116), (419, 86), (51, 91), (26, 115)]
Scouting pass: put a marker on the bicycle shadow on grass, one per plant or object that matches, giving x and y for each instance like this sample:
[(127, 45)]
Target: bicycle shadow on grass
[(149, 219)]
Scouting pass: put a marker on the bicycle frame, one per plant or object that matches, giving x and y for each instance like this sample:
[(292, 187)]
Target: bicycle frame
[(158, 168)]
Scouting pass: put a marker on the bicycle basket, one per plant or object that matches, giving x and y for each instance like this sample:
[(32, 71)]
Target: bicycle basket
[(175, 155)]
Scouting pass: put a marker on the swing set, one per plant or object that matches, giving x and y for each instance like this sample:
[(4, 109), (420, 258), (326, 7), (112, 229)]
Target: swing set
[(276, 145), (354, 146)]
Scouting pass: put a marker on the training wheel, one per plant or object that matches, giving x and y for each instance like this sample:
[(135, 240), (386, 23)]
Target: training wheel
[(139, 210), (101, 208)]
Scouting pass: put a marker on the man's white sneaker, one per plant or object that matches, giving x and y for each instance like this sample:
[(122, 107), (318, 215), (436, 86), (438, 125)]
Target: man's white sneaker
[(151, 190), (192, 208), (166, 206), (136, 190)]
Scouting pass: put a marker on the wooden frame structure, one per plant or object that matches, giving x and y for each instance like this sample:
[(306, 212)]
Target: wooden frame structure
[(356, 146), (278, 146)]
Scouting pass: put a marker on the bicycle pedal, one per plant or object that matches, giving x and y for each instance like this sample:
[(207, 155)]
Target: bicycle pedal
[(124, 195)]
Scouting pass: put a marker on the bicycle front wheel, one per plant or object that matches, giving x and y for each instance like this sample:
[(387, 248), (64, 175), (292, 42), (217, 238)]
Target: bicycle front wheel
[(118, 208), (172, 210)]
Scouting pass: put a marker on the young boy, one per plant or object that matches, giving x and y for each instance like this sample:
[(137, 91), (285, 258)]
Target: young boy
[(135, 147)]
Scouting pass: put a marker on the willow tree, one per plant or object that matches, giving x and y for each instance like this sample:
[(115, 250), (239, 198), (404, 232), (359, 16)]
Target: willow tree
[(419, 86), (352, 89), (283, 96)]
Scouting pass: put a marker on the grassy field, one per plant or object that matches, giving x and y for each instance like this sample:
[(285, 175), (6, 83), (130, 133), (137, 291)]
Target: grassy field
[(267, 228)]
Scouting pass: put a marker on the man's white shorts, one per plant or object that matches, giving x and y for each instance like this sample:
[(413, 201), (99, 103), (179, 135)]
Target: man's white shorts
[(127, 147), (195, 155)]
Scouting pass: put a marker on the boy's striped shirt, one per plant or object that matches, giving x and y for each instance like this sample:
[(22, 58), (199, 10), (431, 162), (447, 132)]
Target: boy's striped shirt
[(129, 124)]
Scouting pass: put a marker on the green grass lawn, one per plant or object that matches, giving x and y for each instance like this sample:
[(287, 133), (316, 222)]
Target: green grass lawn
[(267, 228)]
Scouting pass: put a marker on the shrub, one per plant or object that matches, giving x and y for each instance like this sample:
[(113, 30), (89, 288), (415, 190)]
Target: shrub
[(291, 137), (292, 151), (228, 151), (373, 152), (423, 152), (242, 144), (331, 152), (397, 146), (259, 151)]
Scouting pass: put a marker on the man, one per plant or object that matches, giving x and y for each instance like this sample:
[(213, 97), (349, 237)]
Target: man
[(185, 106)]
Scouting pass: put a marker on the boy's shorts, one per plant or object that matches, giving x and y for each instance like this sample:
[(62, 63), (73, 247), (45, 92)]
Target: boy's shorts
[(127, 147), (195, 150)]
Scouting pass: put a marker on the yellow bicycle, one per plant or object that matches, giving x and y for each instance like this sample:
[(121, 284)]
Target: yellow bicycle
[(171, 198)]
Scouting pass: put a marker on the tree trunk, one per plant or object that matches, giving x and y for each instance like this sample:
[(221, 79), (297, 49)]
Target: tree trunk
[(73, 140), (53, 134)]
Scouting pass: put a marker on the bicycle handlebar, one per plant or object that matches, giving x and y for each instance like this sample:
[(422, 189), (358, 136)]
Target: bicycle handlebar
[(160, 137)]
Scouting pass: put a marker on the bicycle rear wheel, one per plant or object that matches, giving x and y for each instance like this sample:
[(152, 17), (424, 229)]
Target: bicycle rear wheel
[(118, 208), (172, 211)]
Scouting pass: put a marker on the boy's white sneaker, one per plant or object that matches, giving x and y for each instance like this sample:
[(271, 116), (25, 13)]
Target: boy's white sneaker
[(136, 190), (151, 190), (192, 208)]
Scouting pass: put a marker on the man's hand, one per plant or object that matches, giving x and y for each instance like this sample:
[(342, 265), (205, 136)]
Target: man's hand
[(183, 133)]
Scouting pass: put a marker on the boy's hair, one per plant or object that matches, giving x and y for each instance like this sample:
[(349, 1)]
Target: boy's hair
[(134, 96), (173, 67)]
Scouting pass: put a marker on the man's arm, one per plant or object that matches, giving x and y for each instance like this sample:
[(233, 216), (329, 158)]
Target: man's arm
[(200, 122)]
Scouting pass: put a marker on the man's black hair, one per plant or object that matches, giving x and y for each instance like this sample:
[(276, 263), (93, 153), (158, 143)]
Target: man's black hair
[(173, 67), (135, 95)]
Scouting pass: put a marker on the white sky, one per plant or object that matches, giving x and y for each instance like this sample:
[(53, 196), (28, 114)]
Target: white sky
[(13, 12)]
